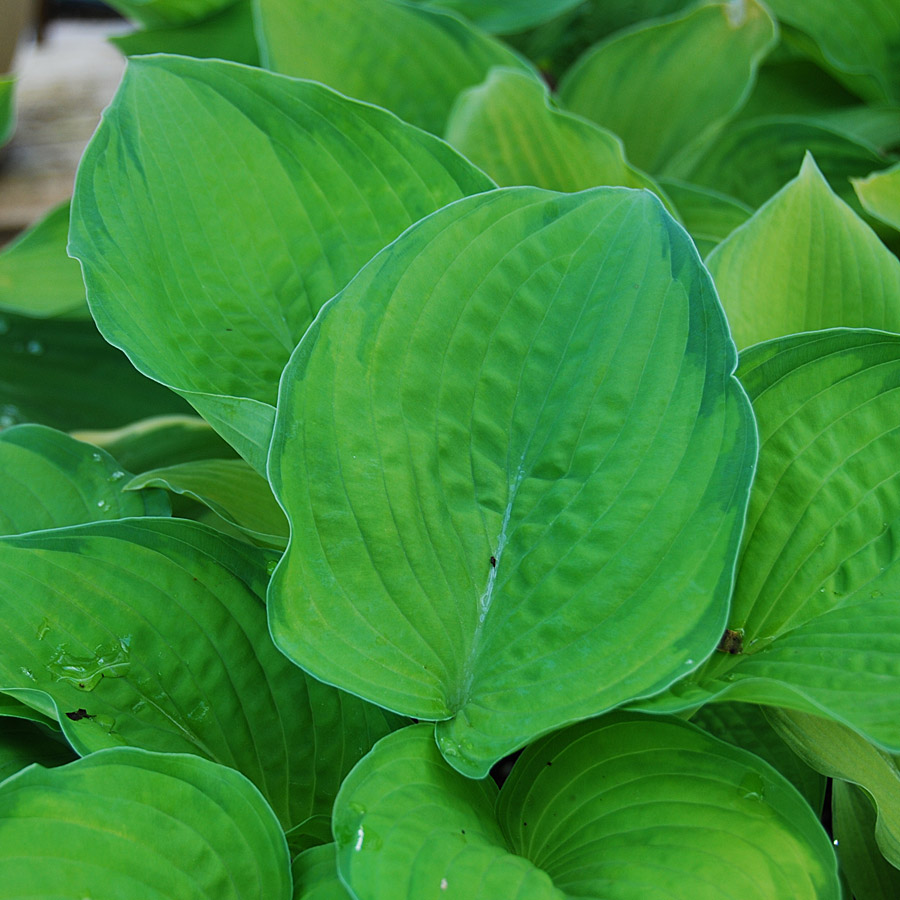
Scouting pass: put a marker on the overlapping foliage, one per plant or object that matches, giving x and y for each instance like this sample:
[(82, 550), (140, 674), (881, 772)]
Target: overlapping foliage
[(460, 310)]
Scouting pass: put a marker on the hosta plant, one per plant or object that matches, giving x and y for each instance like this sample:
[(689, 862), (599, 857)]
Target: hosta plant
[(534, 531)]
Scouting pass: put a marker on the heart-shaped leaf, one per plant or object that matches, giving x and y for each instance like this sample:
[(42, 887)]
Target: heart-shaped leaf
[(152, 633), (254, 198), (51, 480), (646, 86), (622, 808), (515, 464), (509, 128), (815, 623), (127, 823), (422, 59), (804, 262), (37, 278)]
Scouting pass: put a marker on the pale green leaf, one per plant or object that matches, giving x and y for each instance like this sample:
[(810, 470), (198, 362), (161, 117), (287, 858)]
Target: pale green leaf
[(51, 480), (879, 194), (869, 875), (515, 463), (226, 34), (805, 262), (623, 808), (37, 278), (219, 206), (59, 372), (127, 823), (708, 216), (231, 488), (840, 753), (511, 129), (152, 633), (860, 41), (421, 60), (815, 619), (645, 84)]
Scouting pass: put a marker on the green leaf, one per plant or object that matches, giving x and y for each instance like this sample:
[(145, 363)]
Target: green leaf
[(815, 620), (7, 107), (840, 753), (157, 13), (126, 823), (219, 206), (23, 743), (51, 480), (745, 725), (58, 372), (316, 877), (507, 16), (231, 488), (869, 875), (422, 59), (226, 34), (37, 278), (646, 86), (804, 262), (622, 808), (160, 441), (879, 194), (511, 129), (708, 215), (153, 633), (16, 709), (753, 159), (515, 463), (859, 41)]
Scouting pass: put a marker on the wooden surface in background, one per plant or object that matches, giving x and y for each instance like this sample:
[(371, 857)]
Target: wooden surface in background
[(64, 84)]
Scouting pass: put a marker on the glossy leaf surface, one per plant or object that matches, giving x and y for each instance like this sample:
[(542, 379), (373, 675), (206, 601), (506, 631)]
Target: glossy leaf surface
[(422, 59), (646, 86), (51, 480), (620, 808), (804, 262), (515, 464), (284, 189), (126, 823), (152, 633), (814, 614)]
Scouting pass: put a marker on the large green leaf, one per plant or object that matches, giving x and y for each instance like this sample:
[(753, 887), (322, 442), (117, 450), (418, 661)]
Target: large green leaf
[(37, 278), (231, 488), (316, 876), (622, 808), (646, 86), (219, 206), (23, 743), (507, 16), (227, 34), (421, 60), (804, 262), (60, 372), (127, 823), (869, 875), (515, 464), (815, 622), (840, 753), (51, 480), (879, 194), (152, 633), (860, 41), (752, 159), (509, 127), (157, 13)]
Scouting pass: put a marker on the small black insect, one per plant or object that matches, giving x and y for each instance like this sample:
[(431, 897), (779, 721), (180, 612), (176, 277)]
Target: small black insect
[(79, 714), (493, 562)]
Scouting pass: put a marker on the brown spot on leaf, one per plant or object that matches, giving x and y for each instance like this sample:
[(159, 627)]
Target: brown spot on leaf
[(732, 642)]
